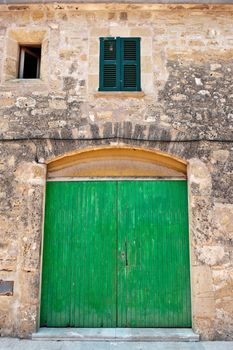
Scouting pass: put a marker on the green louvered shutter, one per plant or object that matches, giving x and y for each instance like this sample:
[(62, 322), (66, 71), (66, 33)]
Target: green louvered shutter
[(130, 64), (120, 64), (109, 64)]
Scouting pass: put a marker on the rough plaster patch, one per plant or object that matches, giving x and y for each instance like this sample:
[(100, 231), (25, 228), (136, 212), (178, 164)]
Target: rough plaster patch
[(223, 219), (4, 126), (222, 277), (198, 170), (200, 176), (220, 155), (57, 104), (204, 92), (30, 173), (24, 102), (215, 66), (211, 255), (198, 82)]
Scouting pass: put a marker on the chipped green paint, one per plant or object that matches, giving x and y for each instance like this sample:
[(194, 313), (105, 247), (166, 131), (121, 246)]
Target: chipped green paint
[(116, 254)]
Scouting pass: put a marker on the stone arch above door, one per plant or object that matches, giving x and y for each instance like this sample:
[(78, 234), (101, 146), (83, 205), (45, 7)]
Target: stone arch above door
[(120, 161)]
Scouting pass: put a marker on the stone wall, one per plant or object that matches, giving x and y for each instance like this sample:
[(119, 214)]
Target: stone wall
[(186, 111)]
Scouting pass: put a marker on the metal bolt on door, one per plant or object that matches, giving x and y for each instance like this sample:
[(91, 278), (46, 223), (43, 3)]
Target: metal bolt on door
[(116, 254)]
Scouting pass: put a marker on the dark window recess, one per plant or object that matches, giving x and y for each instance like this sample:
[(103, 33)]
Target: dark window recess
[(120, 64), (29, 63)]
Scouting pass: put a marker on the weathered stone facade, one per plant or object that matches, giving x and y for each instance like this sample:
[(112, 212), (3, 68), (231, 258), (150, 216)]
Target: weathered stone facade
[(187, 111)]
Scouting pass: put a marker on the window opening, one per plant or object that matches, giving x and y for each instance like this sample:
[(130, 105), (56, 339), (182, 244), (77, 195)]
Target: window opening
[(29, 63)]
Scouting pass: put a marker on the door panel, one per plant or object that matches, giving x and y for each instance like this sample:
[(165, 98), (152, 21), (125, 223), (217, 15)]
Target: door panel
[(79, 264), (153, 252)]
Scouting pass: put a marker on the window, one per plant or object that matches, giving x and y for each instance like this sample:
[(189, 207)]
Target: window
[(120, 64), (29, 63)]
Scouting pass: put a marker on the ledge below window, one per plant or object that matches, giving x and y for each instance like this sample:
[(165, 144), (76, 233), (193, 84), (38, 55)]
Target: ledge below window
[(119, 94), (20, 81)]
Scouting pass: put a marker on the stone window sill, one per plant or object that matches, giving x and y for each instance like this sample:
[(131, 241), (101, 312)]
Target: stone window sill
[(119, 94), (24, 81), (14, 84)]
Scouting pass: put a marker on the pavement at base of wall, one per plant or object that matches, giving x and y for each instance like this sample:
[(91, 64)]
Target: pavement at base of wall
[(17, 344)]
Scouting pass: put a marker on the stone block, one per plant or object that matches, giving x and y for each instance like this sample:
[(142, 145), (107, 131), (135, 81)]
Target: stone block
[(146, 47), (6, 102), (179, 97), (204, 326), (99, 32), (31, 173), (147, 83), (212, 255), (202, 281), (93, 82), (27, 314), (6, 314), (57, 104), (12, 48), (37, 15), (10, 68), (200, 175), (67, 54), (140, 31), (83, 57), (104, 115), (197, 43), (223, 220), (28, 36), (120, 31), (220, 155), (204, 307), (94, 47), (146, 65), (29, 282), (93, 67)]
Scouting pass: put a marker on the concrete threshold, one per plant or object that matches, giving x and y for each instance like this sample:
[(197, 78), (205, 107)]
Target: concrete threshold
[(118, 334)]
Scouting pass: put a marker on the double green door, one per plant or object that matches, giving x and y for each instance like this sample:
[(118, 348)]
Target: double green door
[(116, 254)]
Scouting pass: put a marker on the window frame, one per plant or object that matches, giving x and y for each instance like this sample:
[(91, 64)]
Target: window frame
[(120, 62)]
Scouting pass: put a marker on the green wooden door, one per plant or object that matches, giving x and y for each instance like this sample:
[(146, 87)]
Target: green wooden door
[(116, 254), (79, 264), (153, 254)]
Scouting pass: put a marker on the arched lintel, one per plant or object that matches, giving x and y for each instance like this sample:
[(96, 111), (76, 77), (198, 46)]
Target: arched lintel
[(106, 160)]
